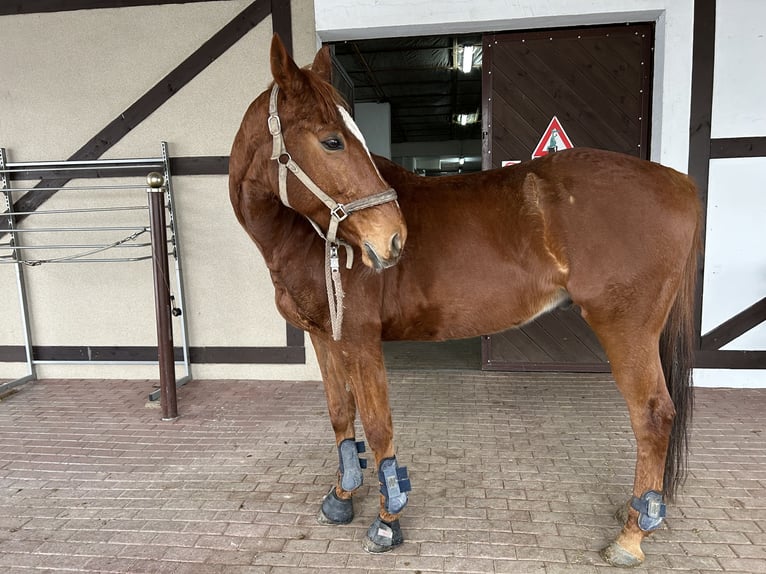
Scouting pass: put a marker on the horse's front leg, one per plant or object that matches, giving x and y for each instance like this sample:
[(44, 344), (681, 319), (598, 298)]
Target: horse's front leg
[(368, 378), (337, 506), (360, 366)]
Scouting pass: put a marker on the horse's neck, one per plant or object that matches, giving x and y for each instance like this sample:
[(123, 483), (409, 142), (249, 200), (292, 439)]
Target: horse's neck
[(284, 236)]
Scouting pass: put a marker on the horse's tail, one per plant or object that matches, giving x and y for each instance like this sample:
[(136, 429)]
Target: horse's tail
[(677, 357)]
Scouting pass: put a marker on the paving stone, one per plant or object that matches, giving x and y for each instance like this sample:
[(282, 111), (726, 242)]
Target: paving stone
[(511, 473)]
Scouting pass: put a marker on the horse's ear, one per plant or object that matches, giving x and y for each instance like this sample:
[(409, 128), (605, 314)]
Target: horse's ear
[(323, 64), (286, 72)]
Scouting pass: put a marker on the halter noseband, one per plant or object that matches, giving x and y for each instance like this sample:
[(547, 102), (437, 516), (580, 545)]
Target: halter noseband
[(338, 212)]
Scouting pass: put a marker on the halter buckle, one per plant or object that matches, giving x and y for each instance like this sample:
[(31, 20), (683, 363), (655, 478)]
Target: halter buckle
[(339, 212), (275, 126)]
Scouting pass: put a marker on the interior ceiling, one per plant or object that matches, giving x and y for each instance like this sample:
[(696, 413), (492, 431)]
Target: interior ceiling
[(420, 79)]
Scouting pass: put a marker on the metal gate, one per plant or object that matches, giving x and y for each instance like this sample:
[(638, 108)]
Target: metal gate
[(143, 235)]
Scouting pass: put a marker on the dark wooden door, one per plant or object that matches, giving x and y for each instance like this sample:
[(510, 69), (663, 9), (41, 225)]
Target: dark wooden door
[(597, 82)]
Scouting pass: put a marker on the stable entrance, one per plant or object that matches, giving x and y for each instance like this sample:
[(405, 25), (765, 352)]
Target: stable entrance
[(595, 81)]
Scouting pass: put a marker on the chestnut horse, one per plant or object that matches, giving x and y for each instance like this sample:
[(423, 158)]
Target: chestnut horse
[(616, 235)]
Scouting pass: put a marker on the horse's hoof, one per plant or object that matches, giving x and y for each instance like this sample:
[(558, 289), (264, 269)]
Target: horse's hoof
[(616, 555), (335, 510), (383, 536)]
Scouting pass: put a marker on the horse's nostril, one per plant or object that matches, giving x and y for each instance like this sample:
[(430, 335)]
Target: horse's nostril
[(396, 245)]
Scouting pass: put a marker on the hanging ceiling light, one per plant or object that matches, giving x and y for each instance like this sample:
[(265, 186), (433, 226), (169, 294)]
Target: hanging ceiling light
[(466, 61), (466, 119)]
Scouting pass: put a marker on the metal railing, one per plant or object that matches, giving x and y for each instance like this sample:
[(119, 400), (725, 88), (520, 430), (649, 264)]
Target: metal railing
[(48, 236)]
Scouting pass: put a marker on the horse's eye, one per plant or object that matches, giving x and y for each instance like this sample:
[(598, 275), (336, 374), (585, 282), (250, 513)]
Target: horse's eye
[(333, 144)]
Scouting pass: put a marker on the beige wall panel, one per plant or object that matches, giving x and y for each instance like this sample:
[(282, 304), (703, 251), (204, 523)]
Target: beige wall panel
[(79, 70), (11, 332), (90, 303), (204, 116), (68, 74), (229, 294), (305, 41)]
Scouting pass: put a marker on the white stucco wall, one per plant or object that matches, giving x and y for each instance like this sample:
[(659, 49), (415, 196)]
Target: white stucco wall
[(735, 251)]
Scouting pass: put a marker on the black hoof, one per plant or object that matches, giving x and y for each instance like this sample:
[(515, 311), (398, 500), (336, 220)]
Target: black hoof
[(383, 536), (335, 510)]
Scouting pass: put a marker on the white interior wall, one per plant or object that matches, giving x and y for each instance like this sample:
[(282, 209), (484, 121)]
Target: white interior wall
[(374, 121)]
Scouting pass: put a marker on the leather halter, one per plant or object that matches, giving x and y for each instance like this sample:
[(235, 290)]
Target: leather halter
[(338, 212)]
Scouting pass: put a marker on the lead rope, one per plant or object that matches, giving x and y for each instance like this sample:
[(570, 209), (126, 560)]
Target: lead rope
[(338, 212), (334, 289)]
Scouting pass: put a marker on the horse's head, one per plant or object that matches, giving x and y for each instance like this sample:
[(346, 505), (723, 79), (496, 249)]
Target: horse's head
[(314, 159)]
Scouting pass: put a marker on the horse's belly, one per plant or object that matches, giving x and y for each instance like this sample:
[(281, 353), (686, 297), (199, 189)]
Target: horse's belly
[(472, 315)]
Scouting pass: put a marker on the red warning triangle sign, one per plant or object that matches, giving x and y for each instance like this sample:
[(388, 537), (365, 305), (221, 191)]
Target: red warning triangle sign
[(554, 139)]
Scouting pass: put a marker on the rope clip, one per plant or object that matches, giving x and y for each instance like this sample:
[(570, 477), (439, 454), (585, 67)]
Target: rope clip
[(334, 260)]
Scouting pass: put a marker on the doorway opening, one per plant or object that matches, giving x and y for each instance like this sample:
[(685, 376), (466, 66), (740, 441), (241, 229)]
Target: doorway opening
[(441, 105)]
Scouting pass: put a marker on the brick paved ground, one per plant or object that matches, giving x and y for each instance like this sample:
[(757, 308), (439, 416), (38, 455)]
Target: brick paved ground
[(511, 473)]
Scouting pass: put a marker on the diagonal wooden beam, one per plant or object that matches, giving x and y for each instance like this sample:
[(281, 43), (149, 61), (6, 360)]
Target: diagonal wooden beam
[(142, 108), (732, 328)]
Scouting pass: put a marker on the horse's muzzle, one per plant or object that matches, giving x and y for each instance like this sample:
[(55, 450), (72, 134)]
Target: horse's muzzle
[(388, 259)]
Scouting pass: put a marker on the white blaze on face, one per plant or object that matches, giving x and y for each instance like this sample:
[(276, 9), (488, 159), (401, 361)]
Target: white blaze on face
[(357, 133)]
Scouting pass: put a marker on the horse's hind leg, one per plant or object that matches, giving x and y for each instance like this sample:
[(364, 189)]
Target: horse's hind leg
[(337, 506), (637, 370)]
